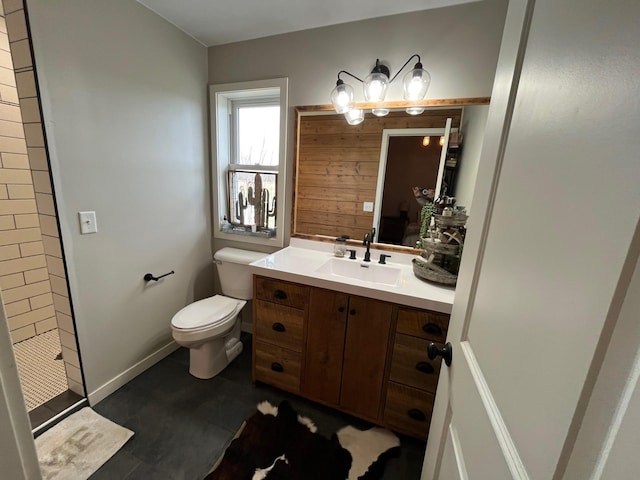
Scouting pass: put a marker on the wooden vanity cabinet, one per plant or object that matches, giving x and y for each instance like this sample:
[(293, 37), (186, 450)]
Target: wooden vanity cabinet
[(346, 350), (363, 356)]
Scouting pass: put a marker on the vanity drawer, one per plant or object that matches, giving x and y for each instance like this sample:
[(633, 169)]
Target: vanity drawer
[(281, 292), (279, 325), (423, 323), (277, 366), (408, 410), (411, 365)]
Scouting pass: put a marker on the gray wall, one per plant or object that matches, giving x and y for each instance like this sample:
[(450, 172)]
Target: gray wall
[(458, 46), (125, 111)]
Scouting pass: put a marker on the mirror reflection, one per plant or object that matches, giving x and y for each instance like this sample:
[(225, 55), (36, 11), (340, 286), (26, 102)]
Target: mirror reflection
[(412, 162), (352, 178)]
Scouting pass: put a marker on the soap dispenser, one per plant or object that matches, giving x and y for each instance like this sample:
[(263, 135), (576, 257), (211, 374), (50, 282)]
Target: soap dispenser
[(340, 247)]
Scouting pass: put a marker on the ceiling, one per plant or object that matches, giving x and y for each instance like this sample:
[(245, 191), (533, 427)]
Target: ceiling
[(216, 22)]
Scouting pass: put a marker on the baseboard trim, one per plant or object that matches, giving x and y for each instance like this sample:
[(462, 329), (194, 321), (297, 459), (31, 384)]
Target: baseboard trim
[(130, 373)]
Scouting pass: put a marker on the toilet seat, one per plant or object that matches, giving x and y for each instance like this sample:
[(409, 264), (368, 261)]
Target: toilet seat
[(206, 314)]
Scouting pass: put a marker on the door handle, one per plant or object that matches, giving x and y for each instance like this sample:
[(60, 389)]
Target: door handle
[(445, 352), (278, 327)]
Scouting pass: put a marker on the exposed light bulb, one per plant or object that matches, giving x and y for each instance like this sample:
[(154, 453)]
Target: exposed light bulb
[(380, 112), (375, 87), (441, 142), (426, 141), (342, 99), (416, 83), (354, 116)]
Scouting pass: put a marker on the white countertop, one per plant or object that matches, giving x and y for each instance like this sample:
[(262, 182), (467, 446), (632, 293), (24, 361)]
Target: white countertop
[(299, 261)]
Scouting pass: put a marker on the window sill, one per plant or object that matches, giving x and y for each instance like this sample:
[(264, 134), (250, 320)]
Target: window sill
[(240, 234), (235, 230)]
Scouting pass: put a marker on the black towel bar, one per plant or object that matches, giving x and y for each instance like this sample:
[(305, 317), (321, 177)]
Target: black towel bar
[(149, 276)]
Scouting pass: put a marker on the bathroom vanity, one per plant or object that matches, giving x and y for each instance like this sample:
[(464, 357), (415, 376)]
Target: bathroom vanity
[(348, 334)]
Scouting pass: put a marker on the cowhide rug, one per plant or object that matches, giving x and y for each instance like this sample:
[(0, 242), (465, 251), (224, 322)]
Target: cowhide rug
[(278, 444)]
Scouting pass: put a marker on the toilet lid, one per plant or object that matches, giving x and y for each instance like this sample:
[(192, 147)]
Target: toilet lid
[(207, 312)]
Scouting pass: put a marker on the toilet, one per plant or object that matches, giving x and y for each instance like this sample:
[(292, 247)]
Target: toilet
[(210, 328)]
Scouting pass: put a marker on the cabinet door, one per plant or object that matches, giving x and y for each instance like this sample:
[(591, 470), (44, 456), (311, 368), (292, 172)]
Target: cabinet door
[(365, 352), (325, 345)]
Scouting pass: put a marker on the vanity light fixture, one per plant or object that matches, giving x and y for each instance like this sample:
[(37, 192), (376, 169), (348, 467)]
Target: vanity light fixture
[(415, 85)]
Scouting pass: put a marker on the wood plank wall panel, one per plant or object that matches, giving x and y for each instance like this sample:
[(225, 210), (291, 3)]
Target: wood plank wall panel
[(337, 168)]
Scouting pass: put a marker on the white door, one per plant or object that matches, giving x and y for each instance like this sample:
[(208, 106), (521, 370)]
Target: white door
[(18, 458), (550, 242)]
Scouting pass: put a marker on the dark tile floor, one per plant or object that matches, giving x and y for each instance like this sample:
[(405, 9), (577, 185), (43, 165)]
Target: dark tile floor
[(182, 424)]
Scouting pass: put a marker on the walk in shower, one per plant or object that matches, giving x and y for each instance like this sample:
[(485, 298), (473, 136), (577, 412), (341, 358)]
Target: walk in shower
[(32, 272)]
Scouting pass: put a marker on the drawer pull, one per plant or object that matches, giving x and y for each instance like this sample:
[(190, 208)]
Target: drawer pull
[(278, 327), (432, 329), (425, 367), (280, 294), (341, 309), (276, 367), (352, 312), (416, 414)]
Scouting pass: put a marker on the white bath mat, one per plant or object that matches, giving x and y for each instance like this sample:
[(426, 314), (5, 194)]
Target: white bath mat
[(79, 445)]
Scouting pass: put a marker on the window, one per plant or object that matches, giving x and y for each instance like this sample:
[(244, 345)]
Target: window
[(248, 140)]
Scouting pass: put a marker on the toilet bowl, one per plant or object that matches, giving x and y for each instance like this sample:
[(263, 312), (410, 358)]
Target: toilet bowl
[(210, 328)]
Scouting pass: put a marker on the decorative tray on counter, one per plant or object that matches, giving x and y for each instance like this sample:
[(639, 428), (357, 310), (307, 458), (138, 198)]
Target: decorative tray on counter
[(426, 270), (434, 245), (458, 220)]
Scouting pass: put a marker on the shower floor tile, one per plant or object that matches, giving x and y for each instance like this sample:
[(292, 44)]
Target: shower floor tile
[(42, 376)]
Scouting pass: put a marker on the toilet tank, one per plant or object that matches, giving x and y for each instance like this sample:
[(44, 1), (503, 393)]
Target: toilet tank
[(235, 275)]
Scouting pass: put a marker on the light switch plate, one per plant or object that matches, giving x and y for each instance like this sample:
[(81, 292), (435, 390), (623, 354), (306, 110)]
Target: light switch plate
[(367, 206), (87, 222)]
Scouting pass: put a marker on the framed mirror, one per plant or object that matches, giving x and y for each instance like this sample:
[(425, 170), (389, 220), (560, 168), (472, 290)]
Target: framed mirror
[(351, 178)]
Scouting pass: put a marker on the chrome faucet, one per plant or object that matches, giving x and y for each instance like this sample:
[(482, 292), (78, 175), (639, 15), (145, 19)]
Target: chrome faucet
[(368, 238)]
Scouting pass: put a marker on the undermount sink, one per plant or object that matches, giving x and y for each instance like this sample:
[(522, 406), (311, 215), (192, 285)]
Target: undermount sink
[(358, 270)]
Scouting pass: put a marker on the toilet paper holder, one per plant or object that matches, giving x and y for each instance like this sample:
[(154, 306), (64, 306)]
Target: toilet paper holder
[(149, 276)]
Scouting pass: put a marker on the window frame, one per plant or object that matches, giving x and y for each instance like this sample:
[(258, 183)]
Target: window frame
[(235, 105), (221, 99)]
